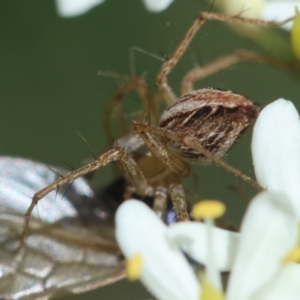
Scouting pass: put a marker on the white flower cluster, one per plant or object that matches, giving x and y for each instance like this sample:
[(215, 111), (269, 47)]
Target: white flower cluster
[(257, 256)]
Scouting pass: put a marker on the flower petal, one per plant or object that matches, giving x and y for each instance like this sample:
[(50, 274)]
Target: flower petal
[(73, 8), (276, 150), (157, 5), (285, 285), (166, 272), (268, 232), (192, 239)]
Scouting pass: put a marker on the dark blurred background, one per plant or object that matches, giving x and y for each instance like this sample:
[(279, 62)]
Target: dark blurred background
[(49, 87)]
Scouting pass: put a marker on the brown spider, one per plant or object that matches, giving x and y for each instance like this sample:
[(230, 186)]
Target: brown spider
[(199, 126)]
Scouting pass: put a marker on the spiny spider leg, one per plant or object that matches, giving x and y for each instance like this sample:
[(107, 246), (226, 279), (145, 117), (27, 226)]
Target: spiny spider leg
[(160, 150), (223, 62), (115, 106), (168, 65), (160, 202), (178, 167), (218, 161), (118, 154), (153, 130), (178, 198)]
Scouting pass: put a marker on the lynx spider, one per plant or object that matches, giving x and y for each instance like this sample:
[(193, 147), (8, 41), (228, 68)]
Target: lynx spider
[(157, 171)]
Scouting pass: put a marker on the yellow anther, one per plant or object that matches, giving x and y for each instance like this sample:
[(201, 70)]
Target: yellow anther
[(292, 256), (134, 266), (209, 292), (208, 209), (295, 34)]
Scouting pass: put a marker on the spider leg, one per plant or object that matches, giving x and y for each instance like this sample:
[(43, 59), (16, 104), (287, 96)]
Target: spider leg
[(148, 133), (114, 106), (223, 62), (185, 140), (160, 201), (177, 166), (118, 154), (168, 65), (178, 199)]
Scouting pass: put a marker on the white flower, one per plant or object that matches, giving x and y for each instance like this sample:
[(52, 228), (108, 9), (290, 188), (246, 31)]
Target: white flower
[(157, 5), (276, 151), (165, 271), (267, 234), (268, 231), (74, 8)]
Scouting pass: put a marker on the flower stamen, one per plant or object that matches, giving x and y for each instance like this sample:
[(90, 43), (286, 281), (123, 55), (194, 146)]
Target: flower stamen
[(134, 266), (209, 291), (292, 256), (211, 209)]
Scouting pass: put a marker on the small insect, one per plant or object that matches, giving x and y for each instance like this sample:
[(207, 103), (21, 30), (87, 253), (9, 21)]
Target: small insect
[(198, 127), (70, 247)]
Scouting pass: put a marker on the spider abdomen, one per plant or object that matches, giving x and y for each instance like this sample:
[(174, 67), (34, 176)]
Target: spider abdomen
[(211, 117)]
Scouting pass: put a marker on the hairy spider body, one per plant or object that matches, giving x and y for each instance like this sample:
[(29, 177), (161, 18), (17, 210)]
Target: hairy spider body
[(162, 183), (210, 117)]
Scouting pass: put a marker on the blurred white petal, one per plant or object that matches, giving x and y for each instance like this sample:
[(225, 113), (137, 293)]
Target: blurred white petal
[(166, 272), (73, 8), (285, 285), (192, 239), (268, 232), (157, 5), (276, 151)]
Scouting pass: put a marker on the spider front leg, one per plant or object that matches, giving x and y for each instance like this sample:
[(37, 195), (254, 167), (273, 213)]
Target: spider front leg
[(177, 167), (129, 165), (187, 143), (148, 133), (168, 65), (160, 202), (114, 106), (176, 192), (178, 199)]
